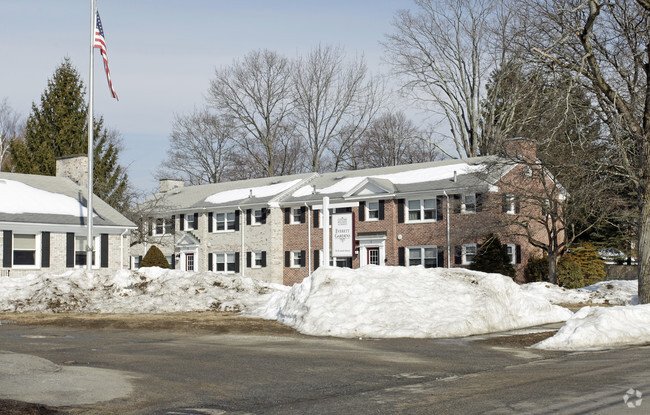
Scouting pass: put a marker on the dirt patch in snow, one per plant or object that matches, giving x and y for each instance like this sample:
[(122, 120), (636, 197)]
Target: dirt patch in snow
[(205, 322), (519, 340)]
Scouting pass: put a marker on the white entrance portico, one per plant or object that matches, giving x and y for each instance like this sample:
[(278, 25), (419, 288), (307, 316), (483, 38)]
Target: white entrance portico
[(372, 248), (188, 246)]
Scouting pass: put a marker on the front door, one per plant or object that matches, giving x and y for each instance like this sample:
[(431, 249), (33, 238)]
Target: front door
[(189, 262), (373, 256)]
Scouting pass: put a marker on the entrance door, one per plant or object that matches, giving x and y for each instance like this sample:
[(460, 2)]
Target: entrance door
[(373, 256), (189, 262)]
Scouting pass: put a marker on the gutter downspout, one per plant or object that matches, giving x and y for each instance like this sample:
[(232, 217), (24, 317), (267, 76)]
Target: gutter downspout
[(242, 257), (122, 249), (448, 233), (309, 261)]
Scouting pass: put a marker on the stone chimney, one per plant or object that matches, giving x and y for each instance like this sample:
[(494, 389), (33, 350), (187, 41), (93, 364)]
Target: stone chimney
[(168, 184), (521, 148), (74, 168)]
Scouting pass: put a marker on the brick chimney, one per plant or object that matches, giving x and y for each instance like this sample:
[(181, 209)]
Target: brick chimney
[(168, 184), (74, 168), (521, 148)]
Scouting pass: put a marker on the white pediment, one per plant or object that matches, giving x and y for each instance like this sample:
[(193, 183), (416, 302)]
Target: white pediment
[(188, 240), (368, 187)]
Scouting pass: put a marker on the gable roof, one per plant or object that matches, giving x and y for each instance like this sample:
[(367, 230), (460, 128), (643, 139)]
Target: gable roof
[(31, 198)]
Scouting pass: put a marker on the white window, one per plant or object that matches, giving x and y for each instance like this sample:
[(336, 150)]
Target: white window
[(509, 204), (423, 255), (257, 216), (512, 252), (469, 251), (135, 261), (163, 226), (469, 203), (224, 222), (190, 224), (80, 251), (256, 259), (372, 211), (25, 253), (296, 259), (225, 262), (296, 215), (421, 210)]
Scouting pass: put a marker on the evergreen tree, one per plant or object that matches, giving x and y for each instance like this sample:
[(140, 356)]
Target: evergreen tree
[(154, 258), (493, 257), (58, 127)]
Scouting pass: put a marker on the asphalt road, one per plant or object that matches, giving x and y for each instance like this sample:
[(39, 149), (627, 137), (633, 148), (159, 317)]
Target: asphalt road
[(160, 372)]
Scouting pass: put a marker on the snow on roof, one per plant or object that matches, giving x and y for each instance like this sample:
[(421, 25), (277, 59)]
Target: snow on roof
[(17, 197), (244, 193)]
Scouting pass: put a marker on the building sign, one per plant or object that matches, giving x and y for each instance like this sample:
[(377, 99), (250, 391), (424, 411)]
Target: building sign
[(342, 235)]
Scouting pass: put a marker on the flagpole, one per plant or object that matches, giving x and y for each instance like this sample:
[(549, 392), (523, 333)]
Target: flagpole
[(90, 240)]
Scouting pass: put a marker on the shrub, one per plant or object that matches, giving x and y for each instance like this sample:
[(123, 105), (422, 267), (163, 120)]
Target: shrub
[(592, 267), (536, 269), (492, 257), (154, 258), (569, 274)]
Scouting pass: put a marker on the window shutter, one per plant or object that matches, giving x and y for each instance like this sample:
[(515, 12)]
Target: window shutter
[(517, 205), (173, 223), (362, 211), (150, 225), (458, 255), (196, 220), (210, 261), (287, 259), (173, 264), (303, 258), (479, 202), (237, 212), (6, 249), (518, 254), (303, 209), (400, 210), (181, 222), (103, 257), (456, 199), (248, 216), (316, 219), (401, 256), (439, 215), (441, 258), (287, 216), (504, 203), (248, 259), (316, 259), (69, 249), (381, 210), (210, 222), (45, 250), (264, 213), (236, 262), (263, 259)]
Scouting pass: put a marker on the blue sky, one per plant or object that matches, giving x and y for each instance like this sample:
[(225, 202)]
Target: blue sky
[(163, 54)]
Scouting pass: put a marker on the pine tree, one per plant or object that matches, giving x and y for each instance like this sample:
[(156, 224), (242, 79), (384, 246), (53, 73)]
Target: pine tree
[(58, 128), (493, 257), (154, 258)]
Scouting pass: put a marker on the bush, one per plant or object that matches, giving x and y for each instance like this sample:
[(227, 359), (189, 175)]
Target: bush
[(492, 257), (592, 267), (569, 274), (154, 258), (536, 269)]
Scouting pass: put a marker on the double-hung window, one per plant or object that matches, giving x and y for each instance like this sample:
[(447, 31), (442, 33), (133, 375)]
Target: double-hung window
[(257, 216), (423, 255), (296, 259), (511, 251), (296, 215), (469, 251), (372, 211), (190, 222), (421, 210), (24, 249), (256, 260), (80, 258), (225, 221), (469, 205), (225, 262), (163, 226)]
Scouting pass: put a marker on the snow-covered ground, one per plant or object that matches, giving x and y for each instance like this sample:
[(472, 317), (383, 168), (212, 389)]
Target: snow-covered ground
[(368, 302)]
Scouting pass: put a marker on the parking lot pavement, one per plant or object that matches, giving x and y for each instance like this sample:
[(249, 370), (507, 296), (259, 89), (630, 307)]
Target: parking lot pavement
[(169, 372)]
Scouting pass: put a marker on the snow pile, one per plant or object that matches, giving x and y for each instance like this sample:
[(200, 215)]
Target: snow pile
[(149, 290), (602, 327), (17, 197), (377, 301), (604, 292)]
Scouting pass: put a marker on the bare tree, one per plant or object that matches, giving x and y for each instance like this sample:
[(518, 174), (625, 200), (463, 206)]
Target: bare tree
[(200, 149), (333, 98), (606, 47), (393, 139), (255, 94), (9, 130), (441, 53)]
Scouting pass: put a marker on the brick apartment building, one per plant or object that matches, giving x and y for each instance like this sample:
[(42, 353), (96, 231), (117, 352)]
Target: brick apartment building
[(429, 214)]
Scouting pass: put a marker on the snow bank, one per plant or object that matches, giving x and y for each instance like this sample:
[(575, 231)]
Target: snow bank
[(602, 327), (605, 292), (379, 301), (149, 290)]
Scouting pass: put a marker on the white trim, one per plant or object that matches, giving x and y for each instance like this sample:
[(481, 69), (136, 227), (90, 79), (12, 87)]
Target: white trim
[(38, 248), (464, 260), (226, 255), (336, 205), (421, 211), (422, 249), (292, 258), (215, 222)]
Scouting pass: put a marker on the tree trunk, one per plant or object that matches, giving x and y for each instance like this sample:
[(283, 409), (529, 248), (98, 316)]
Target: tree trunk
[(552, 266), (644, 251)]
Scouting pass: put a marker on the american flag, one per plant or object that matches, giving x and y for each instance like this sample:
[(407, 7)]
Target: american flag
[(100, 43)]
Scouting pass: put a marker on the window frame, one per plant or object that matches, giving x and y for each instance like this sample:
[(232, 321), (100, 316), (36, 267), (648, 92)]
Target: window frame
[(255, 220), (225, 221), (256, 256), (97, 245), (188, 222), (510, 204), (166, 225), (369, 217), (464, 208), (421, 211), (295, 259), (423, 258), (296, 214), (225, 262), (465, 254), (511, 250), (37, 251)]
